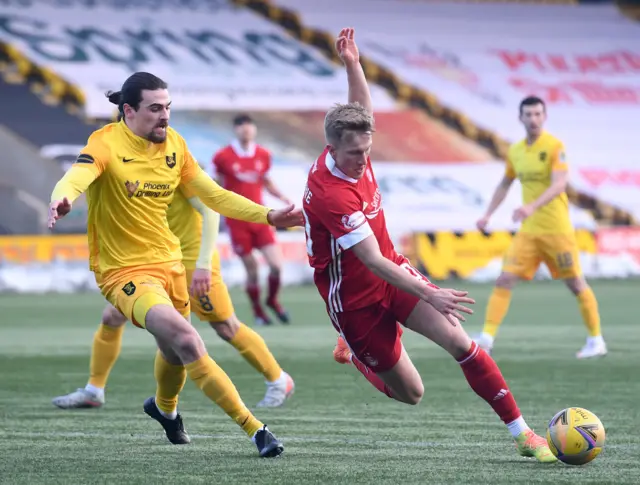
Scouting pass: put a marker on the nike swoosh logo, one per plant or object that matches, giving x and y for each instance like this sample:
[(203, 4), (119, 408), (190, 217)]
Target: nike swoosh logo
[(125, 160)]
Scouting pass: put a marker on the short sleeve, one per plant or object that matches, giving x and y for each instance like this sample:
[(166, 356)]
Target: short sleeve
[(509, 171), (559, 159), (268, 167), (342, 215)]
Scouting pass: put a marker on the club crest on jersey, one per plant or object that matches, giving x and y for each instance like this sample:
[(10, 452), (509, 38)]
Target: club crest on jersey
[(129, 289), (353, 221), (543, 156), (132, 187), (171, 160)]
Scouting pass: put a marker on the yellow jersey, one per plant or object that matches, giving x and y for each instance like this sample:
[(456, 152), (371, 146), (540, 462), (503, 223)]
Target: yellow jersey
[(186, 223), (130, 183), (533, 165)]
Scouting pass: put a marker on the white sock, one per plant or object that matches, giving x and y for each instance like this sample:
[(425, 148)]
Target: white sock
[(597, 340), (517, 426), (171, 415), (96, 391)]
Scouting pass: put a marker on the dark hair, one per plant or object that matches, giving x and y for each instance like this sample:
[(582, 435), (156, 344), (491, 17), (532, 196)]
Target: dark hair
[(242, 119), (131, 91), (532, 101)]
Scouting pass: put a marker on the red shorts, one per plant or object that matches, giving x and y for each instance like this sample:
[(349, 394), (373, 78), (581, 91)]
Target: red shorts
[(246, 237), (373, 333)]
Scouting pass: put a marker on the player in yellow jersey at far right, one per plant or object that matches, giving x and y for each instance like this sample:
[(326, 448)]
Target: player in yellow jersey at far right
[(130, 171), (546, 234)]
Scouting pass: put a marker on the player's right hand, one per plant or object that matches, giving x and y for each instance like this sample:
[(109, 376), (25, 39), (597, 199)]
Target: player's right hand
[(57, 210), (346, 47), (482, 223), (449, 303), (286, 217)]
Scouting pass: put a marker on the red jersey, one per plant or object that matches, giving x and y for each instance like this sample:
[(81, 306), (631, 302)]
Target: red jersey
[(243, 172), (340, 212)]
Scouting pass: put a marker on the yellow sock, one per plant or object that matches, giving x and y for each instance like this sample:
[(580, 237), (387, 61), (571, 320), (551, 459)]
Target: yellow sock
[(217, 386), (107, 342), (255, 351), (589, 310), (496, 310), (170, 381)]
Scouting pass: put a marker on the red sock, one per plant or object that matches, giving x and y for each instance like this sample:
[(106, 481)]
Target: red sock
[(371, 377), (274, 288), (254, 295), (485, 378)]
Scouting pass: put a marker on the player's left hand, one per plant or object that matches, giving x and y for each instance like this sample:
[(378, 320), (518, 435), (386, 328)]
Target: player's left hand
[(346, 46), (200, 282), (286, 217), (521, 213)]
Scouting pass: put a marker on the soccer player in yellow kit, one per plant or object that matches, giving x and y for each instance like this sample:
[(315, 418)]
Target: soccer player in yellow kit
[(196, 226), (546, 234), (130, 171)]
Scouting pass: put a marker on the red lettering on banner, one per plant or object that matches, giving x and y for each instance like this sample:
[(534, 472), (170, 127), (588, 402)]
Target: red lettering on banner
[(597, 177), (594, 93), (618, 241), (609, 63), (551, 94)]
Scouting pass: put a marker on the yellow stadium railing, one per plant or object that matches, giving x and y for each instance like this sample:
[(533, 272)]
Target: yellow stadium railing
[(17, 68), (603, 212)]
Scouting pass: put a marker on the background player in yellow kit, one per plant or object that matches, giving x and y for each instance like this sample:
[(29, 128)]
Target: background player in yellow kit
[(546, 234), (130, 171), (196, 226)]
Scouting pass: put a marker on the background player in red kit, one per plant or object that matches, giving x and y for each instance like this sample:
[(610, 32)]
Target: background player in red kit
[(368, 287), (243, 167)]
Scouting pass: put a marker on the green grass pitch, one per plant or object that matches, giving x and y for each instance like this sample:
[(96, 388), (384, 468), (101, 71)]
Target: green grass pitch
[(336, 428)]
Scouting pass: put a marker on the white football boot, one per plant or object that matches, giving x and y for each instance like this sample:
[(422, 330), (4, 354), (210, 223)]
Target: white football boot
[(278, 392), (79, 399), (595, 347)]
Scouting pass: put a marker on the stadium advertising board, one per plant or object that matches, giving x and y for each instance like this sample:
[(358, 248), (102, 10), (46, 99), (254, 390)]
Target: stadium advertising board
[(224, 58)]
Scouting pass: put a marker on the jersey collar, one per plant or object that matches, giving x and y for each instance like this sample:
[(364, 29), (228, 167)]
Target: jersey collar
[(250, 152), (335, 171), (137, 142)]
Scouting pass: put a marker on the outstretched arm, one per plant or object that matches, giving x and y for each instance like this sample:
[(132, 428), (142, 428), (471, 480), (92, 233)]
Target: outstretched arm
[(358, 87)]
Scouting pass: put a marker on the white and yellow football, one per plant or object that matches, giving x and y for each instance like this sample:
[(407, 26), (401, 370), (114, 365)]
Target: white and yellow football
[(575, 436)]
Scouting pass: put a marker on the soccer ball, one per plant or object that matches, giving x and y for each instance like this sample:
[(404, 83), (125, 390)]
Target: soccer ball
[(575, 436)]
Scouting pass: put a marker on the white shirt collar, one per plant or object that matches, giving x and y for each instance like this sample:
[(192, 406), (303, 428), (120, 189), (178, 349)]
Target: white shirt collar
[(335, 171), (249, 153)]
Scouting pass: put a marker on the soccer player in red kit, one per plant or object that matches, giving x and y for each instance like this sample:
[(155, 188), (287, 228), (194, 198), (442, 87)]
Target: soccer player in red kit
[(243, 167), (370, 290)]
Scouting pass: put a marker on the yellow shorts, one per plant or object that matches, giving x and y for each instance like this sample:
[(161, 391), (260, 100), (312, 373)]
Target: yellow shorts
[(123, 287), (558, 251), (216, 306)]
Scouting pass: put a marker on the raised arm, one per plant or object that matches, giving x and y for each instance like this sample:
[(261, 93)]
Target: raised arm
[(348, 52)]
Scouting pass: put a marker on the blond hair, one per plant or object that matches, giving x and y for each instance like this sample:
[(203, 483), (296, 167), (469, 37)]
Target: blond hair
[(346, 118)]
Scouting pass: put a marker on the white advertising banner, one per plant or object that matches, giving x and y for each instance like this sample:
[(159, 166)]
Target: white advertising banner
[(483, 59), (424, 197), (218, 57)]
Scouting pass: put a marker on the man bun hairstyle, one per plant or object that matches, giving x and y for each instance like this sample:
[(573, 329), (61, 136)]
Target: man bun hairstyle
[(347, 118), (131, 91)]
